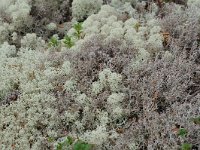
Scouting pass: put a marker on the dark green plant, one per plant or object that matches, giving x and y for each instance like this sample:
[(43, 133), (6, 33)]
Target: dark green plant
[(69, 144), (68, 41), (80, 145), (186, 146), (182, 132), (79, 29)]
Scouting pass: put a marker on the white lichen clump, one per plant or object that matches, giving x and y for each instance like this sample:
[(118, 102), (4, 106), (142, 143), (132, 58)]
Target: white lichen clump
[(81, 9), (98, 136), (131, 32), (18, 13), (114, 102), (107, 79), (102, 72), (193, 3)]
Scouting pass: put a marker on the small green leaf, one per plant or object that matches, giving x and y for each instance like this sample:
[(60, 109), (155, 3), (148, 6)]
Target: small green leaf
[(70, 140), (68, 41), (50, 139), (59, 146), (137, 26), (78, 27), (186, 146), (196, 120), (182, 132), (53, 42)]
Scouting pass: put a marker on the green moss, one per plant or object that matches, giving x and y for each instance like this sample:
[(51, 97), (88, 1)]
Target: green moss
[(182, 132), (69, 143), (186, 146), (80, 145)]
